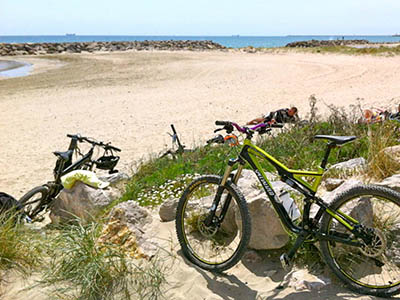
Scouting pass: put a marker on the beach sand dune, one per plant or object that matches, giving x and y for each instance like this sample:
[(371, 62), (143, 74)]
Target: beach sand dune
[(131, 98)]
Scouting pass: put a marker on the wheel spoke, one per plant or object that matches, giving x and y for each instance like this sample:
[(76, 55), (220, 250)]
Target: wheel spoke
[(220, 243), (374, 264)]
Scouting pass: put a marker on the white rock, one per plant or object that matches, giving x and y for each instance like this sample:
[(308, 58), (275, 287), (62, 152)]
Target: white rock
[(82, 201)]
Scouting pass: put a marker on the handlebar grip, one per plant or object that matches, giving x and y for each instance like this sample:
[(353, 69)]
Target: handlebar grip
[(222, 123), (114, 148), (173, 129), (77, 137), (277, 125)]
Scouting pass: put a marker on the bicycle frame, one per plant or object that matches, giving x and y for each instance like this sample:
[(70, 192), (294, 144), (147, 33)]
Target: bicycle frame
[(76, 165), (296, 180), (64, 166)]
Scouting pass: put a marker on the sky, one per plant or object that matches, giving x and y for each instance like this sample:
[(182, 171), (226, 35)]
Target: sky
[(200, 17)]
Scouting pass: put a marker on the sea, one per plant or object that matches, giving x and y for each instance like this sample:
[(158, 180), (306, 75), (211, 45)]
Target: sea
[(234, 41)]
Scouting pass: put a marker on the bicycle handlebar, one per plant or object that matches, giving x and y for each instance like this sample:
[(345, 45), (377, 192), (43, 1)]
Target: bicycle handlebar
[(81, 139), (246, 129)]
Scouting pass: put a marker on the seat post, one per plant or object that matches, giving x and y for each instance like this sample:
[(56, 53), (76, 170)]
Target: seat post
[(329, 147)]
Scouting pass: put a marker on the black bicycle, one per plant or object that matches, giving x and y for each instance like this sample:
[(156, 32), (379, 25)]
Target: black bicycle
[(38, 200), (176, 143)]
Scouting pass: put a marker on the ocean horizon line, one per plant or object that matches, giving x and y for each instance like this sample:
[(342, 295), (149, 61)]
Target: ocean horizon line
[(231, 41)]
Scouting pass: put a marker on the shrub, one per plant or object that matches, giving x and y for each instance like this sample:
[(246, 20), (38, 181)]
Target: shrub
[(19, 246), (381, 136), (82, 268), (294, 146)]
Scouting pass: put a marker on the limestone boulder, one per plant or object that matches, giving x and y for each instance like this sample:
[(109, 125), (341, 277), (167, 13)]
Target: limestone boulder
[(167, 210), (249, 184), (355, 164), (266, 229), (329, 196), (392, 153), (132, 228), (116, 180), (332, 183), (360, 209), (392, 182), (82, 201)]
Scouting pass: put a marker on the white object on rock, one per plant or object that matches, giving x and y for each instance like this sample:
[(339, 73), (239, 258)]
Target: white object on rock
[(85, 176)]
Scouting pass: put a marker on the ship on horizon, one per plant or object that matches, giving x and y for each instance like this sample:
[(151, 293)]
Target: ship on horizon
[(396, 34), (70, 34)]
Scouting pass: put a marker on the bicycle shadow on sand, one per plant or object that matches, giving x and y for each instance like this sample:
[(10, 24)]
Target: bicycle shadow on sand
[(228, 286)]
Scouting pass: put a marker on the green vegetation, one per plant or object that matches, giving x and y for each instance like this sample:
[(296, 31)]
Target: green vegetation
[(294, 146), (153, 174), (74, 265), (82, 268), (382, 165), (381, 50), (20, 247)]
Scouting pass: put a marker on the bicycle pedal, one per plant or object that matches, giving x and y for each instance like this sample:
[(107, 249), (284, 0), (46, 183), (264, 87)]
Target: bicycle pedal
[(285, 262)]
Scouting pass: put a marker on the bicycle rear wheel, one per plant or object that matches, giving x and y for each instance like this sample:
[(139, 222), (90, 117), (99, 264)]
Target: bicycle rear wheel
[(220, 245), (374, 267), (33, 202)]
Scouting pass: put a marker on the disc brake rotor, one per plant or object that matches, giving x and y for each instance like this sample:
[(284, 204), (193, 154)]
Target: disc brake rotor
[(207, 231), (377, 245)]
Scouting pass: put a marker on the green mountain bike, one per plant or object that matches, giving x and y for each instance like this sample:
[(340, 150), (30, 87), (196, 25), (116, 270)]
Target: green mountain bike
[(358, 231)]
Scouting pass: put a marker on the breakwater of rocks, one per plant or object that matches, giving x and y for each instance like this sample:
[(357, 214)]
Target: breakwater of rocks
[(326, 43), (78, 47)]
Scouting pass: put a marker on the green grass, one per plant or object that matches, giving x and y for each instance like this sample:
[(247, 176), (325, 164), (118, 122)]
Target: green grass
[(20, 247), (382, 50), (80, 267), (294, 146), (158, 171), (381, 136)]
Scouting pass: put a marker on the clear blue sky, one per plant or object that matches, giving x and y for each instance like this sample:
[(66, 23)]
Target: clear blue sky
[(200, 17)]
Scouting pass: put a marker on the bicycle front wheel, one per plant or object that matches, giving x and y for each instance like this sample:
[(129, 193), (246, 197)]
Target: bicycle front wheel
[(374, 266), (217, 244), (33, 201)]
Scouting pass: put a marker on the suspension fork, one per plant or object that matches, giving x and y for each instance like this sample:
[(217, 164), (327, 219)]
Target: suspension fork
[(220, 190)]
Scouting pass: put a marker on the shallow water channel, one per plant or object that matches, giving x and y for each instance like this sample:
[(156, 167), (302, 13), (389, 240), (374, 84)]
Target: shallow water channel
[(11, 68)]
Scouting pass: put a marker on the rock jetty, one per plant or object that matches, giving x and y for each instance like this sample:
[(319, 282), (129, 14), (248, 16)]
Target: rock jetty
[(326, 43), (78, 47)]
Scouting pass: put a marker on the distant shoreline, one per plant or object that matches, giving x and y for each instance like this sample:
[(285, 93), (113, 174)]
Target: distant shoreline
[(231, 41)]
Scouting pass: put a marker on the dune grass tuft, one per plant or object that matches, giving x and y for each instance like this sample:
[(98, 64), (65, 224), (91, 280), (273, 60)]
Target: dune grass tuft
[(20, 247), (82, 268)]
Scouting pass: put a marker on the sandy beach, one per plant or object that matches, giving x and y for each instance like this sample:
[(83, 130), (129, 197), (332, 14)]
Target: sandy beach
[(131, 98)]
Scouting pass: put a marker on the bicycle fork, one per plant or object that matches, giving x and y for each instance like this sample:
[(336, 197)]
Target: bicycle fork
[(227, 175)]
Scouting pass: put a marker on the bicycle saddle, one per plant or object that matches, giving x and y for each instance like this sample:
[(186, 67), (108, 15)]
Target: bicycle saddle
[(67, 155), (337, 140)]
